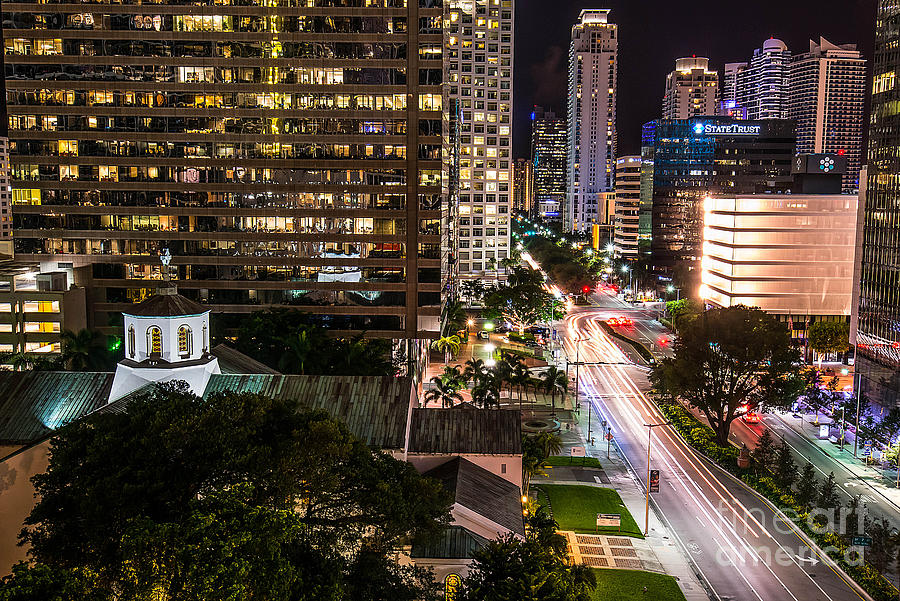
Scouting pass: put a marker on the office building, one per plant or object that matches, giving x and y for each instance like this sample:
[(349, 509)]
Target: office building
[(36, 308), (480, 63), (791, 255), (729, 88), (693, 158), (762, 86), (286, 156), (827, 88), (628, 207), (6, 222), (591, 139), (523, 184), (691, 89), (548, 156), (877, 301)]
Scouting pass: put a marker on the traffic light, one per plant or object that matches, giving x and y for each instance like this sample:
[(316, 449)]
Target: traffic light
[(585, 289)]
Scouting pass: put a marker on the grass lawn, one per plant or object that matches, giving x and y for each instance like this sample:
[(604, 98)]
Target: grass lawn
[(573, 461), (576, 507), (628, 585)]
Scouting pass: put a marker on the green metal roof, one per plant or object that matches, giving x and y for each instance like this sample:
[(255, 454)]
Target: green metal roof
[(34, 403), (375, 408), (233, 361), (466, 430)]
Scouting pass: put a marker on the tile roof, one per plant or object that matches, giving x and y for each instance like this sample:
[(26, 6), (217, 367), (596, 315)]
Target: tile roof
[(166, 305), (466, 430), (455, 543), (34, 403), (233, 361), (483, 492), (375, 408)]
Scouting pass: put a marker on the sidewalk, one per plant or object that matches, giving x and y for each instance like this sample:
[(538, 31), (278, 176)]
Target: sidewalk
[(660, 541), (871, 476)]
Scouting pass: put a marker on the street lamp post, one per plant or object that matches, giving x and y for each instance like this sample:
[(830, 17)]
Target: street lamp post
[(856, 394), (649, 443)]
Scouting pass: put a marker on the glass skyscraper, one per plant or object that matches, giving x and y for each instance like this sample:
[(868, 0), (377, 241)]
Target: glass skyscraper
[(878, 306), (288, 153), (691, 158)]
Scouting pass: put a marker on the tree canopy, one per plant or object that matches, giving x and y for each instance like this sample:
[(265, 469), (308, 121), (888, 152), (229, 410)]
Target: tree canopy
[(829, 336), (523, 300), (285, 340), (238, 496), (729, 358)]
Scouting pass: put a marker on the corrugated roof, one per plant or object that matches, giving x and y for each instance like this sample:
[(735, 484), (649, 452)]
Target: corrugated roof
[(233, 361), (34, 403), (483, 492), (455, 543), (373, 407), (166, 305), (469, 430)]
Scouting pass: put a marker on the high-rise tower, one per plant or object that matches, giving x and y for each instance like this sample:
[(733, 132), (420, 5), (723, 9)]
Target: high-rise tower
[(691, 89), (876, 314), (593, 60), (548, 158), (826, 99), (480, 62), (762, 87), (287, 154)]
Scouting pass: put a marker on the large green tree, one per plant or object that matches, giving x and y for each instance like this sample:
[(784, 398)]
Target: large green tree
[(829, 337), (729, 358), (534, 569), (237, 496)]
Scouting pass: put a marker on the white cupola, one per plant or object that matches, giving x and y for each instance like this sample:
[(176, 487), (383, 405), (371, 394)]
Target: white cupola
[(166, 338)]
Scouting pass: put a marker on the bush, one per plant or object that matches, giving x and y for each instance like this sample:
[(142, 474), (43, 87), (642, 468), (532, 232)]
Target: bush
[(522, 338)]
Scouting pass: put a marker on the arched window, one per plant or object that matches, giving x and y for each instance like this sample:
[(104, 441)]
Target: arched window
[(205, 346), (154, 341), (131, 341), (185, 341)]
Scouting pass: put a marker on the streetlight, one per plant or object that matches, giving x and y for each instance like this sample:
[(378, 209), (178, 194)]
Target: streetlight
[(670, 289), (626, 269), (610, 248), (649, 443)]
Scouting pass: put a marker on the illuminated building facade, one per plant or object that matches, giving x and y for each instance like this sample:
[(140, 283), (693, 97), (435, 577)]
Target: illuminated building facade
[(591, 140), (827, 89), (523, 185), (288, 154), (548, 156), (693, 158), (877, 307), (626, 226), (691, 89), (791, 255), (762, 86), (480, 63)]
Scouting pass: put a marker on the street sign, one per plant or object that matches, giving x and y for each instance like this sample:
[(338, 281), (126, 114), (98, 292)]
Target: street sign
[(867, 449), (577, 452), (654, 480), (609, 520), (824, 431), (861, 541), (609, 436)]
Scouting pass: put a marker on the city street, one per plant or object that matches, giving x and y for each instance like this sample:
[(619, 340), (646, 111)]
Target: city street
[(738, 543)]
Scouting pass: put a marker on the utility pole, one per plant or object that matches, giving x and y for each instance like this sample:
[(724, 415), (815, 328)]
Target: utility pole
[(856, 394), (649, 444)]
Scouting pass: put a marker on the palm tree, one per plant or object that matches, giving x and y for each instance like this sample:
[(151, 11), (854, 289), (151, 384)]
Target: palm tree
[(299, 346), (449, 345), (453, 377), (519, 378), (475, 371), (443, 392), (554, 380), (455, 318), (84, 350), (549, 443)]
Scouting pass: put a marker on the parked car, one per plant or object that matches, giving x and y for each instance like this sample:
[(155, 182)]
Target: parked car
[(483, 335)]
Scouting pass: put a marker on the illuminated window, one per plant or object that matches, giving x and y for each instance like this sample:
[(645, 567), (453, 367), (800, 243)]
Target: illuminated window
[(131, 341), (184, 341), (154, 341)]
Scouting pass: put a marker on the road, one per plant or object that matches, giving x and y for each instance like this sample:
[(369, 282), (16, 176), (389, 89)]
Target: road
[(737, 542)]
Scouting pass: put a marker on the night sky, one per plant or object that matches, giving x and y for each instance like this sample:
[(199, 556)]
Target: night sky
[(653, 33)]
